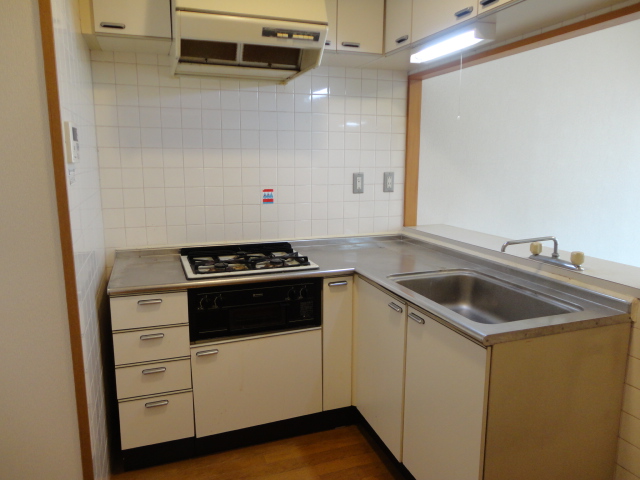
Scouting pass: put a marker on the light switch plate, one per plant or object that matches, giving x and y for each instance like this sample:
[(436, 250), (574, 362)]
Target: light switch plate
[(387, 182), (358, 182)]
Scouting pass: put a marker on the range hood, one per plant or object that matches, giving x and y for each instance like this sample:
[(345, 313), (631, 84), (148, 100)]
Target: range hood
[(249, 38)]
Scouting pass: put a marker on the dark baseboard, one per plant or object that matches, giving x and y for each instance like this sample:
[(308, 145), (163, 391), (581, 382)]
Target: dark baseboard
[(157, 454)]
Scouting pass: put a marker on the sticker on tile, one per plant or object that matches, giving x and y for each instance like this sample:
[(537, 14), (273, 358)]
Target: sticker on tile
[(267, 196)]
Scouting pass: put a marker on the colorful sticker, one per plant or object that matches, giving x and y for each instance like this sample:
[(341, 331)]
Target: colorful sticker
[(267, 196)]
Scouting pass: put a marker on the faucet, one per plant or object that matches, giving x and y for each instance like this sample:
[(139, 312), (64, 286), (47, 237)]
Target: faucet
[(577, 258)]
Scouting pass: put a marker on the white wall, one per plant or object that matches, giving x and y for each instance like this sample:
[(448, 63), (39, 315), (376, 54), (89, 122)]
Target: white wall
[(37, 407), (547, 143), (184, 160), (76, 105)]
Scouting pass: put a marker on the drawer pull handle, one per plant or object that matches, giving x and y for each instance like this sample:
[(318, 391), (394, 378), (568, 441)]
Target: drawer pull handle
[(416, 318), (149, 371), (402, 39), (338, 284), (119, 26), (351, 44), (159, 403), (152, 336), (464, 12), (484, 3), (327, 43), (155, 301), (204, 353), (395, 307)]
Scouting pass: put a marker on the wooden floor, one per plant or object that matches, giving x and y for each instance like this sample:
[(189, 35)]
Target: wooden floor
[(340, 454)]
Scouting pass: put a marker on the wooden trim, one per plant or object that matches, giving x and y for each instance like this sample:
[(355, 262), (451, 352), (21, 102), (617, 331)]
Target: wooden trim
[(414, 100), (412, 162), (66, 240)]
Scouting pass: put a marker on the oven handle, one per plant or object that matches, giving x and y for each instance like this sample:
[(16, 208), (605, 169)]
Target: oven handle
[(204, 353)]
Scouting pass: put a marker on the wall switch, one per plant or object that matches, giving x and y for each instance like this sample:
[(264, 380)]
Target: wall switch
[(358, 182), (387, 182)]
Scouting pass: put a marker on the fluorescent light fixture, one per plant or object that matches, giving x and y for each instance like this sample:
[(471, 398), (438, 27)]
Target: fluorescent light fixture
[(455, 43)]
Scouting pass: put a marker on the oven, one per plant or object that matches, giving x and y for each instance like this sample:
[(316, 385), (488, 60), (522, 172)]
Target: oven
[(253, 308)]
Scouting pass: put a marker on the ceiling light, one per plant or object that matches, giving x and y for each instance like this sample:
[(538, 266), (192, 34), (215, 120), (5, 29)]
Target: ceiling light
[(460, 40)]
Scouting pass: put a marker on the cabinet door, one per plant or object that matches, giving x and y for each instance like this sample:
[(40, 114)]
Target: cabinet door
[(444, 402), (378, 375), (337, 329), (397, 24), (360, 25), (433, 16), (332, 17), (252, 382), (146, 18)]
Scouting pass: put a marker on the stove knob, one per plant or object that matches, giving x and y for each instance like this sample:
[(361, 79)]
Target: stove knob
[(209, 302), (291, 295), (303, 293)]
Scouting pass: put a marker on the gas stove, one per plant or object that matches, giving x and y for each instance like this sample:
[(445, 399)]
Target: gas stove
[(248, 259)]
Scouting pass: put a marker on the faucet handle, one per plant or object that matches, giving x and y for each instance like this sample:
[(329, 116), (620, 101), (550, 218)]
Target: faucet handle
[(535, 248), (577, 258)]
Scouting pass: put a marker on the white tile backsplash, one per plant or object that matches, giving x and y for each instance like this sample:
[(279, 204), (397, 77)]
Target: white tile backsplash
[(185, 160)]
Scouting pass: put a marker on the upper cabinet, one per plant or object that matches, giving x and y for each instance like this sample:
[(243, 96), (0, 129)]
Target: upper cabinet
[(359, 25), (127, 25), (332, 17), (433, 16), (397, 24)]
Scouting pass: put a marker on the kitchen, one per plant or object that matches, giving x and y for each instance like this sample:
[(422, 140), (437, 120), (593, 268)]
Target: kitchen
[(86, 212)]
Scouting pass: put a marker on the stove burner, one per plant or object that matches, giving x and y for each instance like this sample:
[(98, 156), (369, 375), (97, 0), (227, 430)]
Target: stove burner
[(233, 259)]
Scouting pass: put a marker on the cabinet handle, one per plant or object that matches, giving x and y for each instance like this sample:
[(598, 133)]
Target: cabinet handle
[(402, 39), (351, 44), (338, 284), (464, 12), (152, 336), (204, 353), (155, 301), (484, 3), (416, 318), (149, 371), (119, 26), (159, 403), (395, 307), (327, 43)]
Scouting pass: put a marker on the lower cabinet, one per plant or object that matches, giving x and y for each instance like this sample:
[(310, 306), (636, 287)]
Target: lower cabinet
[(444, 407), (248, 382), (378, 369)]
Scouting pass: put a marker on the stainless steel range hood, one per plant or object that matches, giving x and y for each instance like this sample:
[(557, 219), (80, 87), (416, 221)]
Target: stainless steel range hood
[(249, 39)]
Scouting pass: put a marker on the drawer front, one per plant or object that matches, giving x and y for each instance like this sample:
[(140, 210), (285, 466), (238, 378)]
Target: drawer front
[(153, 378), (156, 419), (149, 345), (142, 311)]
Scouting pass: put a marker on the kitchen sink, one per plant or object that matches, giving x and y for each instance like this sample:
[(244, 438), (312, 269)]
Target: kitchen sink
[(482, 298)]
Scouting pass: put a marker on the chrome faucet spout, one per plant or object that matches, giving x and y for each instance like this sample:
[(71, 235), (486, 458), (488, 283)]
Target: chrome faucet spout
[(531, 240)]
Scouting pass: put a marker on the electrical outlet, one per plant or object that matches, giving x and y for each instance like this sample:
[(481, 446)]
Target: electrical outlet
[(358, 182), (387, 183)]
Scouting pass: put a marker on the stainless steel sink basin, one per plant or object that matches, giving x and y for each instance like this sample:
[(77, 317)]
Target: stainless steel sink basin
[(482, 298)]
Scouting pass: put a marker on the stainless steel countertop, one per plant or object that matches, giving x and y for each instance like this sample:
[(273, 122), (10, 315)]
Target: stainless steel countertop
[(144, 271)]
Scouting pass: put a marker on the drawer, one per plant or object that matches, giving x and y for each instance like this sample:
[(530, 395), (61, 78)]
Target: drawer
[(156, 419), (150, 345), (142, 311), (153, 378)]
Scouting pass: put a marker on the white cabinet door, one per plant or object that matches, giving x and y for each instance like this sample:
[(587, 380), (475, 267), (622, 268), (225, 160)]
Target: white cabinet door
[(486, 5), (332, 17), (244, 383), (444, 402), (397, 24), (145, 18), (433, 16), (360, 26), (337, 329), (378, 373)]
